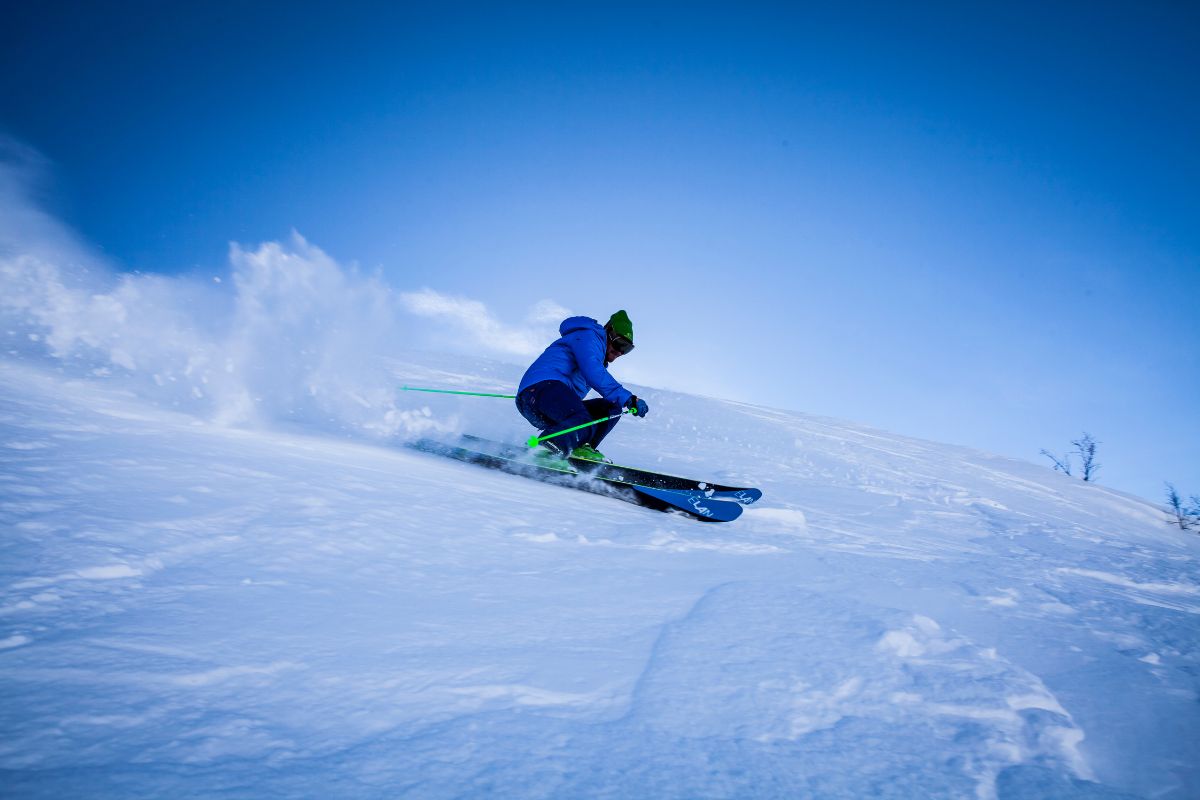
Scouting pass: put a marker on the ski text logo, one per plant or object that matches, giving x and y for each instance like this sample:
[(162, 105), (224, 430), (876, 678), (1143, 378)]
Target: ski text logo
[(694, 502)]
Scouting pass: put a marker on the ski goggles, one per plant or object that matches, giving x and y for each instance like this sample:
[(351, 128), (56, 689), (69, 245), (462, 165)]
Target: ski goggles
[(620, 344)]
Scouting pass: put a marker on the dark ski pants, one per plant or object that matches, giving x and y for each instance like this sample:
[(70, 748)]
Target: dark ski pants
[(553, 406)]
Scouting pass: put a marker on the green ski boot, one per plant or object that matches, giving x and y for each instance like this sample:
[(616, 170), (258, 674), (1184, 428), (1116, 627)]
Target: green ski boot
[(588, 453), (552, 459)]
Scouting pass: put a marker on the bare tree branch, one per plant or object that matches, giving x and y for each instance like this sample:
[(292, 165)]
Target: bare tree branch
[(1085, 448), (1176, 506), (1063, 465)]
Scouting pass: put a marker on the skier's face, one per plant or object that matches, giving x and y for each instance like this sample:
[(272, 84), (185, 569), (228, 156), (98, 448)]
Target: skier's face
[(611, 354)]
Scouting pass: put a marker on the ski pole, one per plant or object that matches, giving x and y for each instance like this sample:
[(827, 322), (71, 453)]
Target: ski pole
[(451, 391), (534, 441)]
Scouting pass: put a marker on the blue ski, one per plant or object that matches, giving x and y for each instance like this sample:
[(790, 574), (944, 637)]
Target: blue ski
[(518, 461), (642, 477)]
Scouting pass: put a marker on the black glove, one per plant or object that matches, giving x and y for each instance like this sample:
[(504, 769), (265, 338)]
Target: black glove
[(638, 406)]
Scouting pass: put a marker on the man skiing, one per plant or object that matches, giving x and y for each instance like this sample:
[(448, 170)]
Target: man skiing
[(551, 393)]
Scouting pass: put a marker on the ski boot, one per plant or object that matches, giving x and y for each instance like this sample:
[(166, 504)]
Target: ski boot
[(551, 457), (588, 453)]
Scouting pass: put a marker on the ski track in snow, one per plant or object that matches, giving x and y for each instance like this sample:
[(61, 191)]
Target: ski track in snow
[(198, 611)]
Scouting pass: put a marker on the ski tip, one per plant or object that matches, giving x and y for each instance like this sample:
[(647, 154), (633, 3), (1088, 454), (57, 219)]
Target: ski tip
[(744, 496), (532, 441), (695, 503)]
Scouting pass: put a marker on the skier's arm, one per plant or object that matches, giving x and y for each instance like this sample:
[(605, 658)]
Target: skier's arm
[(589, 354)]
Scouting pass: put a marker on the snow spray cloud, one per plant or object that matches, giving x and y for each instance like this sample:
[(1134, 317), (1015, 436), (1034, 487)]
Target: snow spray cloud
[(287, 334)]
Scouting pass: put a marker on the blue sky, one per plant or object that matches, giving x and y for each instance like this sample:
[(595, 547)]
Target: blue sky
[(973, 225)]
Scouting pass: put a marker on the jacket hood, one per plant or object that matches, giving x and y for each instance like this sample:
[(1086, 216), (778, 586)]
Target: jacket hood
[(573, 324)]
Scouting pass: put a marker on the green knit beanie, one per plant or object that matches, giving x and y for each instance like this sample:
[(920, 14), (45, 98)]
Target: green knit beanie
[(619, 324)]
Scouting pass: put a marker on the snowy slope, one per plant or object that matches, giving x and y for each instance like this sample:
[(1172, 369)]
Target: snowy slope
[(196, 610)]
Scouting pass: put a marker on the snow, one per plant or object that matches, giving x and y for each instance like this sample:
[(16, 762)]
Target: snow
[(198, 610), (224, 575)]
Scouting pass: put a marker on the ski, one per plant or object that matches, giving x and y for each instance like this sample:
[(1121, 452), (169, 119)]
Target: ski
[(517, 461), (657, 480), (694, 503)]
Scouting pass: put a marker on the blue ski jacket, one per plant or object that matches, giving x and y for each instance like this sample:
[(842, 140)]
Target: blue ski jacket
[(577, 359)]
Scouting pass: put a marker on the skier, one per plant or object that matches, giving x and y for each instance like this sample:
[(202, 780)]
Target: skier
[(551, 393)]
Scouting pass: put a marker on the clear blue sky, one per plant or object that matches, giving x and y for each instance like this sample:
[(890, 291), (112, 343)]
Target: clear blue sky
[(973, 224)]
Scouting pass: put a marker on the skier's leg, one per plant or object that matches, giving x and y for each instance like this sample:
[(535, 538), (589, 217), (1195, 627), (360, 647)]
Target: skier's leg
[(599, 408), (556, 406), (528, 407)]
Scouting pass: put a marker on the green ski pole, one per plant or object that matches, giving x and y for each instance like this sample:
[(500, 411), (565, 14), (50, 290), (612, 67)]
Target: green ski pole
[(451, 391), (534, 441)]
